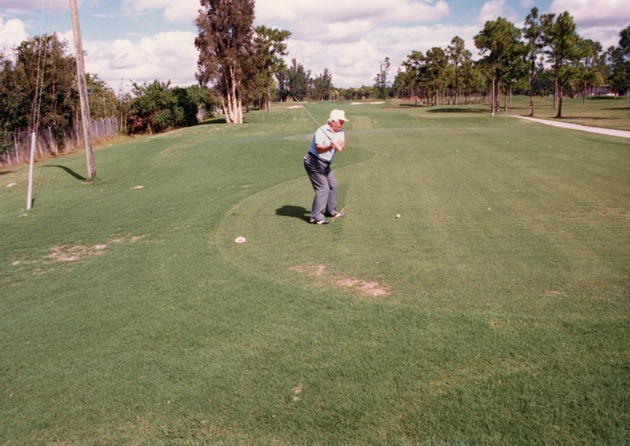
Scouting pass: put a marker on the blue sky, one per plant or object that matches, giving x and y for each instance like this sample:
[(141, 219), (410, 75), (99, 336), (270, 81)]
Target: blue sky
[(144, 40)]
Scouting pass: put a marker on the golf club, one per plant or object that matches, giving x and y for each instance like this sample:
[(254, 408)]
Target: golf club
[(307, 112)]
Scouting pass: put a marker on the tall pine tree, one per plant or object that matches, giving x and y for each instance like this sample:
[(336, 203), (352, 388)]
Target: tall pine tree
[(270, 45), (534, 43), (563, 44)]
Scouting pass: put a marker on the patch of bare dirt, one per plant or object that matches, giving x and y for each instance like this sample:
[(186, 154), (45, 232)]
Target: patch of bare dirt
[(65, 253), (614, 213), (297, 393), (72, 253), (365, 288)]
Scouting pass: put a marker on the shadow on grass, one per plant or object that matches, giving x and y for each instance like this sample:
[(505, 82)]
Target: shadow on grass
[(70, 171), (5, 172), (211, 121), (408, 104), (455, 110), (294, 211)]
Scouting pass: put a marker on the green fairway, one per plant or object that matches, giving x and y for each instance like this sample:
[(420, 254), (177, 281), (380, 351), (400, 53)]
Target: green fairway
[(494, 311)]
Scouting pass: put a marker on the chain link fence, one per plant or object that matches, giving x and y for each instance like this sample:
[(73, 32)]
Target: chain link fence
[(15, 146)]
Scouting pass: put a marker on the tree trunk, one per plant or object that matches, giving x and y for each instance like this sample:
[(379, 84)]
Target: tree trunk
[(498, 95), (456, 85), (437, 95), (559, 115), (532, 75), (584, 93), (555, 92), (268, 98), (229, 99), (492, 101)]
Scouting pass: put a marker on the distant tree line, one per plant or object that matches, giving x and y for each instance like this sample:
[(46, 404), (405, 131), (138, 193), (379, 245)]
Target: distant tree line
[(546, 57)]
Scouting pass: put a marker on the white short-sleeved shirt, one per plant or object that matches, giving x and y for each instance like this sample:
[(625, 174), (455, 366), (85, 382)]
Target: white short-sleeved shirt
[(320, 139)]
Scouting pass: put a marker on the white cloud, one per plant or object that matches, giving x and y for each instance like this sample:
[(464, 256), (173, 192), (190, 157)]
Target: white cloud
[(356, 63), (495, 9), (342, 12), (601, 22), (164, 56), (587, 13), (180, 11), (12, 33), (33, 5), (322, 11), (352, 37), (406, 11), (603, 34)]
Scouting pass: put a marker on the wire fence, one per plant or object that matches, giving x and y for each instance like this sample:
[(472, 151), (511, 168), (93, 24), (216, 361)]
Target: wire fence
[(15, 147)]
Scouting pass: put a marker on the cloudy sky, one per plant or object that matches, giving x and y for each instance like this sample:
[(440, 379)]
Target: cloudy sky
[(144, 40)]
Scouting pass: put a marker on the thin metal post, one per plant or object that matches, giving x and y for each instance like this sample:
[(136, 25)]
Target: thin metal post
[(29, 194)]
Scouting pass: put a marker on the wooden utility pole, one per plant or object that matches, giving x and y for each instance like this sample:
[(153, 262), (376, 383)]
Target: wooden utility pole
[(85, 107)]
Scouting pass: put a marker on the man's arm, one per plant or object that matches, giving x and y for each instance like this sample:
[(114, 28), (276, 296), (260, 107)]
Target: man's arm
[(338, 146)]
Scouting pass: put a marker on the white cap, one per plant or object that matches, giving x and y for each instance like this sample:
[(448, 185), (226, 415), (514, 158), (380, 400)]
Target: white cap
[(338, 115)]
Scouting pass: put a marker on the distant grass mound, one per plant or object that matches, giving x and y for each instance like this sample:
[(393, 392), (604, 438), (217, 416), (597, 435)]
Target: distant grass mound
[(493, 311)]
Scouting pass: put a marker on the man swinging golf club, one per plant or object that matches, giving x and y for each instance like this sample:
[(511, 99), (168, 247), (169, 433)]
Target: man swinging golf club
[(327, 141)]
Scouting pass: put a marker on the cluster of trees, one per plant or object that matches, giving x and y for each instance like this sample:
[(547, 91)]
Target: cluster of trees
[(156, 107), (38, 88), (546, 57), (52, 77), (235, 58), (245, 63)]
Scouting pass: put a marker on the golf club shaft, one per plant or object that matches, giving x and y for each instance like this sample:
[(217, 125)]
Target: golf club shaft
[(309, 114)]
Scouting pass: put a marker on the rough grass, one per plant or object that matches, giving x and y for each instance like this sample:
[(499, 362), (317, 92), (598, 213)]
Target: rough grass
[(493, 311)]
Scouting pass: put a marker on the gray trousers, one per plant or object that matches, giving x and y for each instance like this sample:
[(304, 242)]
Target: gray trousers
[(325, 187)]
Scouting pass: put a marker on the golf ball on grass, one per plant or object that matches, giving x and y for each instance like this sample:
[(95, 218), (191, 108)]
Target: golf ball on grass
[(240, 240), (397, 215)]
